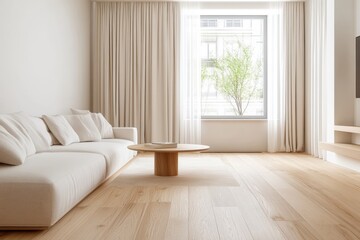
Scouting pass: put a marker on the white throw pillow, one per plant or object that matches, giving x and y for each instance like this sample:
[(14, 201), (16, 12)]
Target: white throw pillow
[(36, 129), (42, 128), (105, 128), (54, 140), (11, 150), (61, 129), (103, 125), (79, 111), (12, 126), (84, 127)]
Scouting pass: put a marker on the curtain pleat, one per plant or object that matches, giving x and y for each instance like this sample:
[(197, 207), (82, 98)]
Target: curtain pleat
[(190, 80), (286, 79), (136, 67), (317, 82)]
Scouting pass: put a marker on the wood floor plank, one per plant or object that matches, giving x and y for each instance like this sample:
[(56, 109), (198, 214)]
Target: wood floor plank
[(217, 196), (222, 197), (71, 221), (202, 223), (126, 225), (298, 230), (231, 224), (96, 225), (178, 224), (324, 222), (324, 190), (154, 223), (21, 235), (259, 224), (310, 210), (273, 204)]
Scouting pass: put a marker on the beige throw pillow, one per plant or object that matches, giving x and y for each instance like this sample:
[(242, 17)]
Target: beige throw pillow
[(84, 127), (100, 121), (11, 150), (12, 126), (61, 129)]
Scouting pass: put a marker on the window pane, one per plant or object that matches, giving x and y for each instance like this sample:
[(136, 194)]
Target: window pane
[(233, 66)]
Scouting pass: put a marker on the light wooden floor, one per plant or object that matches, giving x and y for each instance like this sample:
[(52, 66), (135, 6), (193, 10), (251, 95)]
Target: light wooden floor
[(218, 196)]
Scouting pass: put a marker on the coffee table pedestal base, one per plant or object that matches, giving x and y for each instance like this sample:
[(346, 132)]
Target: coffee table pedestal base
[(166, 164)]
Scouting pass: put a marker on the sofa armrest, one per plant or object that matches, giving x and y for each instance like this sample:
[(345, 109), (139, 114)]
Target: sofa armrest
[(128, 133)]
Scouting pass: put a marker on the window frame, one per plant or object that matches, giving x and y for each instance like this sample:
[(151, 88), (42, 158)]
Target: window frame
[(265, 77)]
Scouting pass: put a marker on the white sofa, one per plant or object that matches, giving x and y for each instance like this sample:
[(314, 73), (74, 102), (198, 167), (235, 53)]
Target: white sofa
[(39, 192)]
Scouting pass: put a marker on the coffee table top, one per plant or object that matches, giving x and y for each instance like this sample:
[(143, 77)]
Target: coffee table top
[(179, 148)]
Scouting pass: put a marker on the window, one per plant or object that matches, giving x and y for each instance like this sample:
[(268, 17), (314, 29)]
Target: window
[(233, 66), (208, 23), (234, 23)]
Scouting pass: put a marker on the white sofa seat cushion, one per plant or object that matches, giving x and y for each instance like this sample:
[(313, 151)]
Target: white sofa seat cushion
[(114, 150), (43, 189)]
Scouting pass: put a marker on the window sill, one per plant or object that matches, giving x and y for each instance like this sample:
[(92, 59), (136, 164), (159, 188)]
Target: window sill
[(233, 120)]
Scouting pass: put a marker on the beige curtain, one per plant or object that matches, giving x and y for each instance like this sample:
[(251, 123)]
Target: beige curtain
[(286, 82), (136, 66)]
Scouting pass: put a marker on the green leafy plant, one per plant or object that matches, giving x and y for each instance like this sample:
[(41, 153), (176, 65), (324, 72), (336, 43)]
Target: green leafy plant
[(236, 75)]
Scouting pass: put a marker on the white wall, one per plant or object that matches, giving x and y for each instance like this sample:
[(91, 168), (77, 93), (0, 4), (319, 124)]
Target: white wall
[(44, 55), (344, 62), (357, 100), (346, 110), (357, 17), (235, 135)]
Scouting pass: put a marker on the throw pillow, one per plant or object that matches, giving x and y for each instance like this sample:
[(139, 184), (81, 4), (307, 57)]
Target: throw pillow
[(36, 129), (84, 127), (103, 125), (54, 140), (100, 121), (8, 122), (42, 128), (61, 129), (79, 111), (11, 150)]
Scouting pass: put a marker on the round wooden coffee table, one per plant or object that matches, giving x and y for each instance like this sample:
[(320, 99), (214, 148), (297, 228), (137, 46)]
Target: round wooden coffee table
[(166, 159)]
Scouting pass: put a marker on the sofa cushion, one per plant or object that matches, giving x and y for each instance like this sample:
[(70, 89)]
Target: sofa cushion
[(84, 127), (43, 189), (42, 129), (61, 129), (37, 130), (114, 150), (103, 125), (11, 150), (18, 131), (100, 121)]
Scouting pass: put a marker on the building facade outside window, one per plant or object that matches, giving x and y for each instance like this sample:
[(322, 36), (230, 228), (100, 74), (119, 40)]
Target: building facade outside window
[(233, 66)]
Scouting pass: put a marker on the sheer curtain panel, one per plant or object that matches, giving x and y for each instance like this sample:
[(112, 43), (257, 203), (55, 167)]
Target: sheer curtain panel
[(318, 83), (286, 77), (136, 66), (190, 81)]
